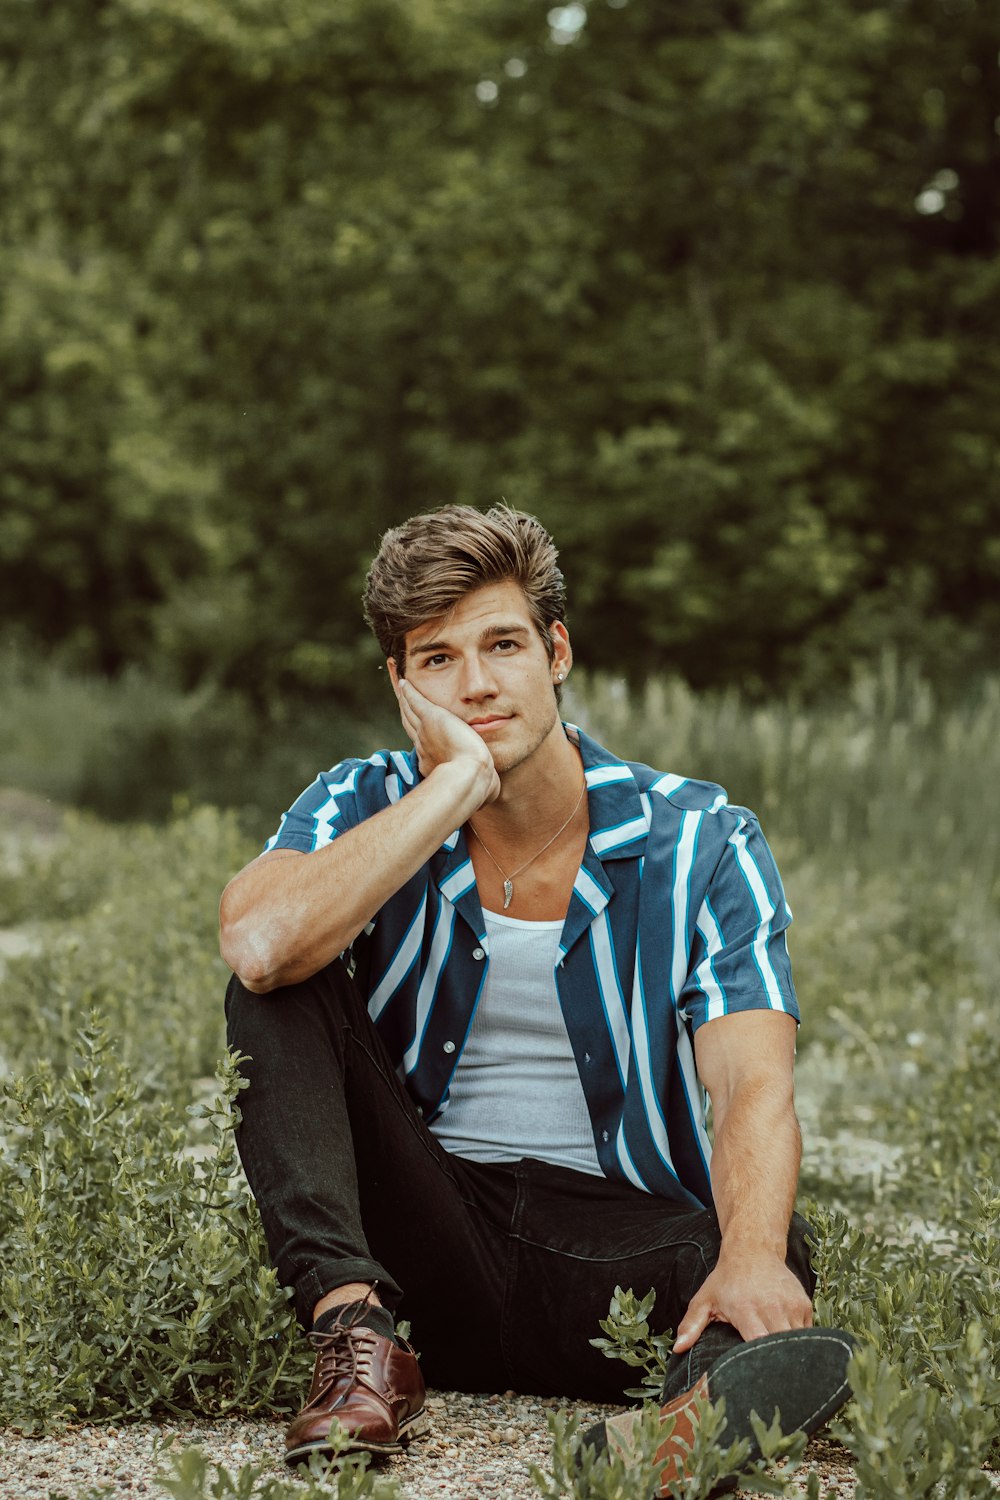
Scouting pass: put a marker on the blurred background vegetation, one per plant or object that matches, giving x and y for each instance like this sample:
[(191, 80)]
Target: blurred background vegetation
[(712, 289)]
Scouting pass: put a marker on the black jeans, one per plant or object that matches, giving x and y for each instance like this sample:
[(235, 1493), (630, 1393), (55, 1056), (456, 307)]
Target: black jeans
[(503, 1270)]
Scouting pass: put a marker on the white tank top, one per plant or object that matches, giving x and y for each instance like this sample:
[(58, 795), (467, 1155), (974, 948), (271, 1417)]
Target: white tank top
[(516, 1091)]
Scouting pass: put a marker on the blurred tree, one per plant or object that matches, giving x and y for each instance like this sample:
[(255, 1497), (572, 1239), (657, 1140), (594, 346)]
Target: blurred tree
[(705, 287)]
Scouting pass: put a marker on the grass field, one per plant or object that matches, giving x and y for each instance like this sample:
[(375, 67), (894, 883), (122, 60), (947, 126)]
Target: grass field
[(121, 1209)]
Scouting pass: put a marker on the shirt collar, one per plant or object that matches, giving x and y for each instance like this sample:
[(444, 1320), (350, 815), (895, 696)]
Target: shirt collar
[(618, 830), (618, 819)]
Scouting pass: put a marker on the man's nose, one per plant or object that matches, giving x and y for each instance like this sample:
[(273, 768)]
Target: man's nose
[(477, 679)]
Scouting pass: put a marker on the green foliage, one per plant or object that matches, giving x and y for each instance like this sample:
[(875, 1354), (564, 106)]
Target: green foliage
[(706, 289), (912, 1439), (925, 1414), (577, 1472), (345, 1476), (133, 1278), (627, 1336), (142, 949), (128, 748), (123, 1217), (192, 1476), (890, 774)]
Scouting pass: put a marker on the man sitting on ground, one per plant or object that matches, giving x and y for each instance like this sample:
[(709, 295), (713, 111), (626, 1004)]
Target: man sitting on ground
[(483, 988)]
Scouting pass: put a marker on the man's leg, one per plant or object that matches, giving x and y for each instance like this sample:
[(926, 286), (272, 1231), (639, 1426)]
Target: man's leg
[(580, 1237), (576, 1238), (353, 1189)]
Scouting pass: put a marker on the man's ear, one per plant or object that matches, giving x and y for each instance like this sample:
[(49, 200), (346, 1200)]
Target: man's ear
[(393, 673), (562, 651)]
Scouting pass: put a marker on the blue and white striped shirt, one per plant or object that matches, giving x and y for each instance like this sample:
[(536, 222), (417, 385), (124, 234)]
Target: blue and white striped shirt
[(677, 916)]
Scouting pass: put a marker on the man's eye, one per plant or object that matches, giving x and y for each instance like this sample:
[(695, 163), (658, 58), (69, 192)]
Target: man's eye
[(436, 660), (505, 646)]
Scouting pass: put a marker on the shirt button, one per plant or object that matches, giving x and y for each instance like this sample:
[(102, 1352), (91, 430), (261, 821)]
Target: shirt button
[(604, 1135), (448, 1047), (478, 953)]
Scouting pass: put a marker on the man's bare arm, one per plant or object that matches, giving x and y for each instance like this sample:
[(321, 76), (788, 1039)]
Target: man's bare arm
[(745, 1061), (287, 914)]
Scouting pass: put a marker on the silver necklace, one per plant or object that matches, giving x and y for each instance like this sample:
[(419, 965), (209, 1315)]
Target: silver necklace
[(508, 880)]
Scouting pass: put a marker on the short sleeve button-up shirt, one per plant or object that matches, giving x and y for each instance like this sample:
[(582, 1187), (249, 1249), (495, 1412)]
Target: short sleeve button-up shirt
[(677, 916)]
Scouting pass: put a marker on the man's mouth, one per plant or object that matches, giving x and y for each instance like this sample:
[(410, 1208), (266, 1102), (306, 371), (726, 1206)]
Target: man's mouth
[(489, 721)]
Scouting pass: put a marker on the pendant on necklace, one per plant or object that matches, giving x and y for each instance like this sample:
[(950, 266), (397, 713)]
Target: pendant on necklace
[(508, 893)]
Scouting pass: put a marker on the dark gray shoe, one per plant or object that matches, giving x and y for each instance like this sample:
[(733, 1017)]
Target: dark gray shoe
[(802, 1372)]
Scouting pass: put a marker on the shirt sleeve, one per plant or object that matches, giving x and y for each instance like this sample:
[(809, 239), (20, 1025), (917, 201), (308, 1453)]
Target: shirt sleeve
[(739, 956), (333, 803)]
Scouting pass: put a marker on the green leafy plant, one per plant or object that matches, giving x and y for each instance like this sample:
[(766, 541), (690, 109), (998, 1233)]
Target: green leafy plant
[(908, 1438), (578, 1472), (192, 1475), (343, 1476), (627, 1336), (132, 1275), (133, 1279)]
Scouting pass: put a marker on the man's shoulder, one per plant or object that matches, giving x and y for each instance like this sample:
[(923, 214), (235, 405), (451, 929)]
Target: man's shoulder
[(381, 765), (351, 791), (383, 775), (682, 793)]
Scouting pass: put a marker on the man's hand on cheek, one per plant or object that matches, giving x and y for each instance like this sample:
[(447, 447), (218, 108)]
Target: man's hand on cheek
[(441, 737)]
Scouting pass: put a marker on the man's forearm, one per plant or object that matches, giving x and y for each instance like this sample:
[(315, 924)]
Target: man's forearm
[(283, 919), (755, 1167)]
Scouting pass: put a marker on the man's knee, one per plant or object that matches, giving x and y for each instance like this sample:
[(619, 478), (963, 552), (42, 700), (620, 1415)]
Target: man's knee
[(246, 1016)]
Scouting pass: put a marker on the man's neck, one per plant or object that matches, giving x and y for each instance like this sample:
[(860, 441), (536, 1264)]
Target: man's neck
[(537, 795)]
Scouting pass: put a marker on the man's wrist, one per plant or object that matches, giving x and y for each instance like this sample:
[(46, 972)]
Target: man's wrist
[(464, 781), (753, 1244)]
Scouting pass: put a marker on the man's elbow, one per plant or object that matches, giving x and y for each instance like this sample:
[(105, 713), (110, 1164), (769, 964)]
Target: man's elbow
[(245, 951), (253, 971)]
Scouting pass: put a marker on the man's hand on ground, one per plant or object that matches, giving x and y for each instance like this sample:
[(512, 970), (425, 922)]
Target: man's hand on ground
[(441, 737), (757, 1294)]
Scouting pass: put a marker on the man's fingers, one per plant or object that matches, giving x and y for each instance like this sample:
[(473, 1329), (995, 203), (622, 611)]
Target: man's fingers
[(752, 1326), (692, 1325), (408, 722), (407, 699), (752, 1315)]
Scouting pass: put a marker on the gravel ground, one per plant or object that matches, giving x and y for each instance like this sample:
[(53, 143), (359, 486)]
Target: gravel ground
[(479, 1448)]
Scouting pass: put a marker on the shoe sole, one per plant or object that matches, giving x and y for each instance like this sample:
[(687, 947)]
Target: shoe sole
[(414, 1428), (808, 1366)]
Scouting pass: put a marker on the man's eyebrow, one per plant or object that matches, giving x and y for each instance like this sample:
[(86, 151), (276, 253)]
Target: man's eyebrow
[(491, 633), (498, 632)]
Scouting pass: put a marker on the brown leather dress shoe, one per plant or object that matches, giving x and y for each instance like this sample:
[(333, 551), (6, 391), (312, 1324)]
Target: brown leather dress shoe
[(372, 1386)]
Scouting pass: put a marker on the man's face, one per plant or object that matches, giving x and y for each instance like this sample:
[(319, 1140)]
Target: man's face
[(486, 662)]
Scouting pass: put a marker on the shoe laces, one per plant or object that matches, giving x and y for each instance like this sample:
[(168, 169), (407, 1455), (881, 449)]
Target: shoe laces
[(342, 1345)]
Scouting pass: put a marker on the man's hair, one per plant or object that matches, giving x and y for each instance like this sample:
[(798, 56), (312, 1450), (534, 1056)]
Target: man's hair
[(426, 566)]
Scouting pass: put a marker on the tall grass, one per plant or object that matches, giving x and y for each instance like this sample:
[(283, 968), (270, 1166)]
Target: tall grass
[(885, 775), (127, 748)]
